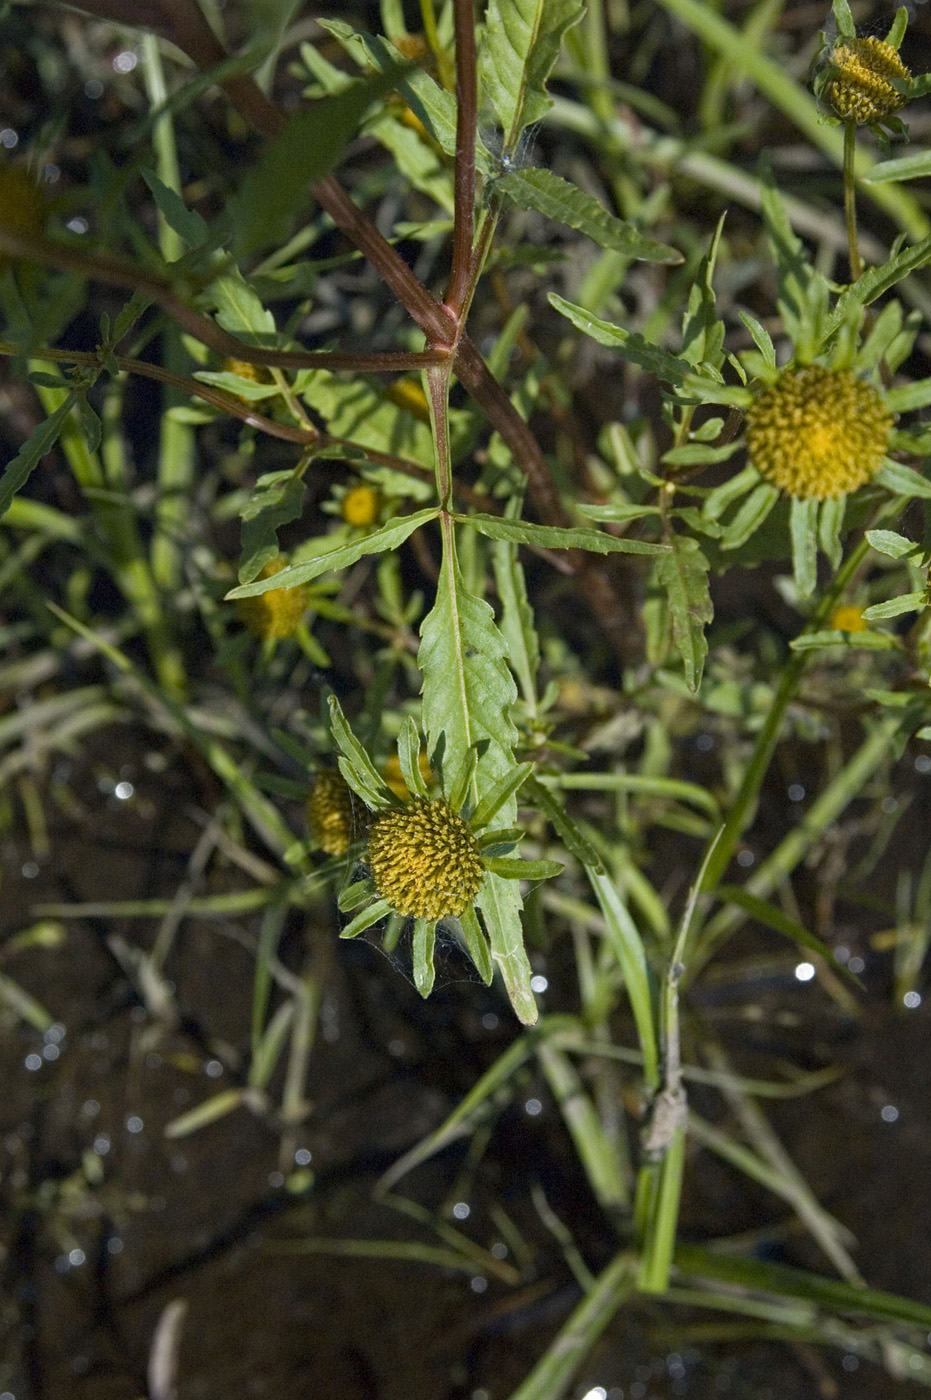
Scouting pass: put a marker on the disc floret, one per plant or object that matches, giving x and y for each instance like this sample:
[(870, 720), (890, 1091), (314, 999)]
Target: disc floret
[(862, 73), (425, 860), (330, 813), (818, 433), (277, 612)]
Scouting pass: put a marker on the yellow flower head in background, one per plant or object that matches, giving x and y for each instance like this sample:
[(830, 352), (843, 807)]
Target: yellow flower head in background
[(425, 860), (849, 618), (330, 813), (859, 89), (21, 205), (361, 504), (278, 612), (818, 433)]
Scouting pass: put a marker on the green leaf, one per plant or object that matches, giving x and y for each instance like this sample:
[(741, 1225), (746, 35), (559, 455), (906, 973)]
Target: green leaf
[(390, 536), (568, 831), (424, 944), (379, 910), (698, 454), (894, 607), (498, 527), (627, 947), (522, 40), (683, 575), (891, 543), (786, 1282), (904, 481), (830, 522), (761, 338), (592, 1145), (913, 167), (429, 101), (42, 440), (477, 944), (540, 190), (846, 28), (355, 765), (862, 641), (409, 758), (631, 345), (771, 917), (516, 869), (468, 693), (275, 191), (907, 397), (803, 524), (750, 516), (276, 500), (702, 327), (517, 623), (878, 280), (189, 226), (493, 801)]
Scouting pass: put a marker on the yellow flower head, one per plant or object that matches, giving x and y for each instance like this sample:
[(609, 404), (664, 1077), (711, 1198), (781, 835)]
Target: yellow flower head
[(817, 432), (276, 613), (330, 813), (425, 860), (395, 778), (859, 90), (21, 205), (361, 504), (849, 618), (256, 374)]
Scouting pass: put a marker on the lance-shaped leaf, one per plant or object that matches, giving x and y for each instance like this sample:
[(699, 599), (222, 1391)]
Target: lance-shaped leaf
[(390, 536), (468, 693), (521, 45), (497, 527), (683, 575), (18, 471), (311, 144), (549, 194), (275, 502), (630, 344)]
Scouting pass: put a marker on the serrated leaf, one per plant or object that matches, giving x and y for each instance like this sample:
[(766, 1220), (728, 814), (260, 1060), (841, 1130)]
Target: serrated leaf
[(702, 327), (878, 280), (521, 44), (188, 225), (498, 527), (891, 543), (240, 311), (42, 440), (276, 501), (546, 193), (903, 480), (468, 693), (803, 526), (389, 536), (630, 344), (517, 623), (683, 575), (894, 607), (312, 143)]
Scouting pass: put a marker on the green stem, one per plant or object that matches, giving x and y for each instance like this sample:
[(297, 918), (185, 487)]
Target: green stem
[(850, 199), (741, 813)]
